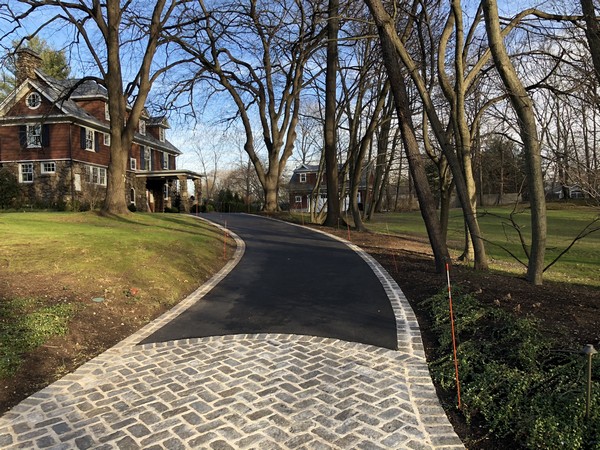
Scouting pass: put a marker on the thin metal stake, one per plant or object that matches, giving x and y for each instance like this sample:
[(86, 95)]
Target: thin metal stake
[(453, 334), (590, 351)]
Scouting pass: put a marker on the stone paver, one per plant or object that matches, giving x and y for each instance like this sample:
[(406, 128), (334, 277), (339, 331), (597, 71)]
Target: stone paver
[(262, 391)]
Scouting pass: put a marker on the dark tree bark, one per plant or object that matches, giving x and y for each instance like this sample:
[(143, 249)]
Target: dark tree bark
[(415, 161), (330, 143), (523, 106), (592, 33)]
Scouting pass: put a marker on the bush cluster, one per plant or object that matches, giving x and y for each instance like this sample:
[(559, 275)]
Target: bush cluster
[(523, 386)]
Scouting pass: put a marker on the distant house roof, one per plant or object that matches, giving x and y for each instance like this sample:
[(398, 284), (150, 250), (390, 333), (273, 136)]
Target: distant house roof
[(296, 186), (307, 168)]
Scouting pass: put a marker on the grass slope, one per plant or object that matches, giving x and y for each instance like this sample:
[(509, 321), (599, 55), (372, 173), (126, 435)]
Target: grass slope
[(580, 265), (74, 284)]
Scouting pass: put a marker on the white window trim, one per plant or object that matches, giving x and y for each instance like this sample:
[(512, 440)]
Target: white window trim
[(90, 137), (132, 196), (44, 169), (298, 199), (31, 143), (161, 134), (142, 128), (166, 190), (165, 161), (302, 178), (107, 139), (106, 112), (39, 98), (148, 158), (98, 172), (21, 173), (132, 164)]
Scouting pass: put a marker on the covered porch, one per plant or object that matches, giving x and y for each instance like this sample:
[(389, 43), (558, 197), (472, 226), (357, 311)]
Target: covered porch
[(165, 188)]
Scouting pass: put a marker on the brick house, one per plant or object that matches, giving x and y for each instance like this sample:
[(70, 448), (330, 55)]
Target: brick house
[(302, 184), (59, 148)]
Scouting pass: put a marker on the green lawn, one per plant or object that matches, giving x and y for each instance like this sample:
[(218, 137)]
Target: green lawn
[(580, 265), (53, 266)]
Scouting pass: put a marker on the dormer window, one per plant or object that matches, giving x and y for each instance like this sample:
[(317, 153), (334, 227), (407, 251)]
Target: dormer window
[(106, 112), (161, 134), (34, 100), (302, 178), (143, 127)]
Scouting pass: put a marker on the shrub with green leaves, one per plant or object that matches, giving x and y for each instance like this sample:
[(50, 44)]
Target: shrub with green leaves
[(522, 385), (9, 189), (25, 324)]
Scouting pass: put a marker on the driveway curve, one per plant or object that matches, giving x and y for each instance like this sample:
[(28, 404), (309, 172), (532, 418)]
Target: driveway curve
[(290, 280)]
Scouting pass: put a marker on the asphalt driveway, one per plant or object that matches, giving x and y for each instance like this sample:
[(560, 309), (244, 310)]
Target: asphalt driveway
[(291, 280)]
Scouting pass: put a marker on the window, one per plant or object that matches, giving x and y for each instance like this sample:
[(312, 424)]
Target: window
[(161, 134), (49, 167), (302, 178), (95, 175), (88, 141), (166, 191), (34, 100), (132, 196), (165, 161), (298, 199), (102, 176), (106, 112), (132, 163), (26, 173), (143, 127), (107, 139), (34, 135), (147, 158)]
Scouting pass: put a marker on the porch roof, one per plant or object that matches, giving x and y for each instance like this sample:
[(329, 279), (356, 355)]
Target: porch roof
[(169, 174)]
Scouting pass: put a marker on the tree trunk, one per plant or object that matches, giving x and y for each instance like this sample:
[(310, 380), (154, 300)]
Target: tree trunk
[(592, 33), (387, 27), (523, 107), (115, 201), (415, 161), (331, 160), (270, 190), (381, 165), (357, 163)]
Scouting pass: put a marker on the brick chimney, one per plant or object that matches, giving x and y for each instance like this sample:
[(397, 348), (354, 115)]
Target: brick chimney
[(27, 62)]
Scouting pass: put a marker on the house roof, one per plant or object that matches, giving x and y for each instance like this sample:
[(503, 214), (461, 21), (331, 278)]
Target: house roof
[(55, 91), (307, 168), (160, 121)]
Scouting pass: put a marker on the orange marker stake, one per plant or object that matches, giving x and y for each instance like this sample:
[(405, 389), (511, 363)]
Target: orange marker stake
[(453, 334)]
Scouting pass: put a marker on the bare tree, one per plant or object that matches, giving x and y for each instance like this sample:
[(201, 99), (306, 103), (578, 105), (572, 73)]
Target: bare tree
[(387, 32), (522, 103), (330, 133), (592, 33), (388, 37), (256, 52), (109, 30)]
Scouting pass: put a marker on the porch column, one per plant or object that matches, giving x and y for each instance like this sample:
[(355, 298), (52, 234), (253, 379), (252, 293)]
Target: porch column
[(183, 193), (197, 195)]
